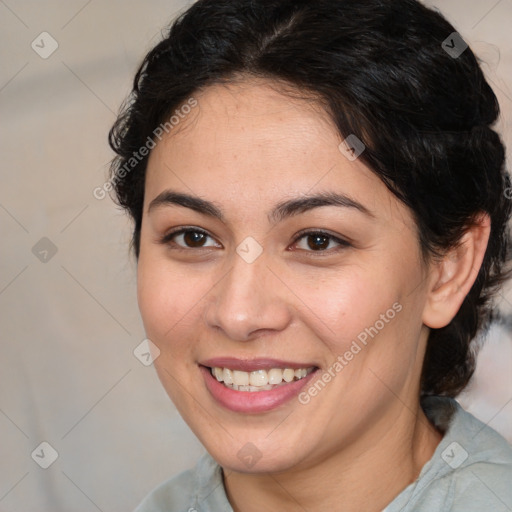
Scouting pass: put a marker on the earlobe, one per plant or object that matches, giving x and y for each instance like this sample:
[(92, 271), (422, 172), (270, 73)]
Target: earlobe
[(453, 276)]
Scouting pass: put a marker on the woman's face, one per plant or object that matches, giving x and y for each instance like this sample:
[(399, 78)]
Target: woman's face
[(348, 302)]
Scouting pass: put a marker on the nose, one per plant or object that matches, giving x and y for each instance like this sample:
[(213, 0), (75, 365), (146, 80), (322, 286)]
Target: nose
[(248, 300)]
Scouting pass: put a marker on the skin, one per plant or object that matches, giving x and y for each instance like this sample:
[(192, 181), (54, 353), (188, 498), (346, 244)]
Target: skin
[(363, 438)]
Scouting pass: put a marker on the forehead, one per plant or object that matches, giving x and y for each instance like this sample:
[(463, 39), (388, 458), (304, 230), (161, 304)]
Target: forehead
[(232, 121), (251, 142)]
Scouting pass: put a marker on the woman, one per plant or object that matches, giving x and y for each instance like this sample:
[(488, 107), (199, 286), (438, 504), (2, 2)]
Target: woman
[(319, 223)]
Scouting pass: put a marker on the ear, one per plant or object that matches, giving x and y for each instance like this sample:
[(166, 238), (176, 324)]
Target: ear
[(453, 276)]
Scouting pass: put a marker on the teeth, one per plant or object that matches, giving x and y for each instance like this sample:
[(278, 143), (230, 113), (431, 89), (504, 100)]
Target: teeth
[(240, 378), (227, 376), (302, 372), (288, 375), (258, 380), (275, 376)]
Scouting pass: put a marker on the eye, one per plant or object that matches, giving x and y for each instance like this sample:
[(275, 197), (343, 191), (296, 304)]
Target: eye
[(194, 238), (191, 238), (319, 241)]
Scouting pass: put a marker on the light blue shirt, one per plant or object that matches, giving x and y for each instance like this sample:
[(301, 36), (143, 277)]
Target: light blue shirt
[(470, 471)]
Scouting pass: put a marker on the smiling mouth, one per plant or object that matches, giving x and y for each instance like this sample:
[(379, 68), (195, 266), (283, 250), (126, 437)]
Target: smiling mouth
[(258, 380)]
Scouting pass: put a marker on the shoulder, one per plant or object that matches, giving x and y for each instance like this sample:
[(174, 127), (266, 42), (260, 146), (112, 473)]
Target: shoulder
[(472, 488), (488, 484), (470, 470), (473, 464), (199, 488), (175, 494)]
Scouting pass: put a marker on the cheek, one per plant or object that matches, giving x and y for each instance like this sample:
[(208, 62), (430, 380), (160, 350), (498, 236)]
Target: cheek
[(168, 299), (366, 324), (347, 301), (376, 339)]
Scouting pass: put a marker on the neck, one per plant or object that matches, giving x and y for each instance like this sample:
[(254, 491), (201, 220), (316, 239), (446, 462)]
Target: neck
[(367, 475)]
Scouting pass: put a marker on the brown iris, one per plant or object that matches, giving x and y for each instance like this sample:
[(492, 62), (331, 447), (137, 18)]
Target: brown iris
[(316, 238), (193, 238)]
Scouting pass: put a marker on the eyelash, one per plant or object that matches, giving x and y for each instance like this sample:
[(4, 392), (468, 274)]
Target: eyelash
[(167, 239)]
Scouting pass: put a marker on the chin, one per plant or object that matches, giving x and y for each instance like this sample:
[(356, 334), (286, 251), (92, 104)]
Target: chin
[(257, 457)]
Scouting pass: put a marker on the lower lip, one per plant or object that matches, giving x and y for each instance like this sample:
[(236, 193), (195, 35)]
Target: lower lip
[(253, 401)]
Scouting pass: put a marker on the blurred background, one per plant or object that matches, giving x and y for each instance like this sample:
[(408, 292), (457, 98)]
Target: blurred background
[(70, 377)]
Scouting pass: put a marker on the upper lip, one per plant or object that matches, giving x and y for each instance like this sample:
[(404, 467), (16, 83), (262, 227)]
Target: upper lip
[(249, 365)]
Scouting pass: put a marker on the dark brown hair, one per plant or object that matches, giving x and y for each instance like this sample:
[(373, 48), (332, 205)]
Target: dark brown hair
[(381, 71)]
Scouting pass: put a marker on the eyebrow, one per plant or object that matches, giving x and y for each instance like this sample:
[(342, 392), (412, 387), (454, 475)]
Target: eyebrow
[(281, 211)]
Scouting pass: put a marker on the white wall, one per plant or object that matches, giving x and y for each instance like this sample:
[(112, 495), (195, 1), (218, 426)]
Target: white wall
[(69, 325)]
